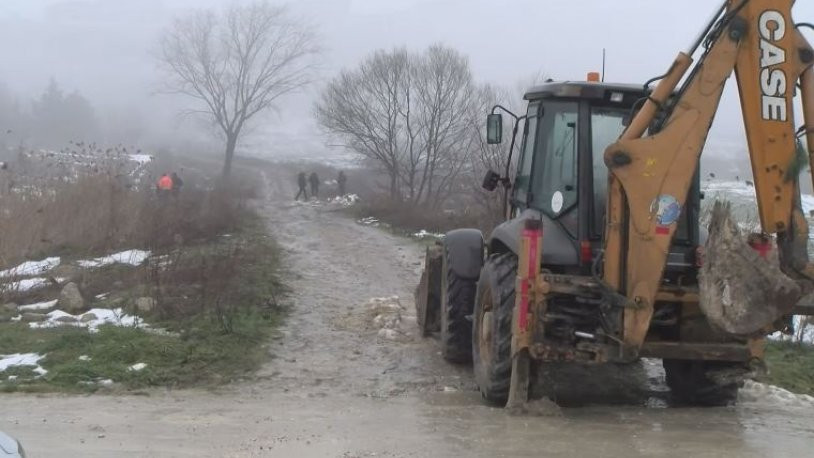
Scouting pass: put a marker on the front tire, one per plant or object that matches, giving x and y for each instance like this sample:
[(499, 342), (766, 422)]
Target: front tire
[(492, 327), (457, 302)]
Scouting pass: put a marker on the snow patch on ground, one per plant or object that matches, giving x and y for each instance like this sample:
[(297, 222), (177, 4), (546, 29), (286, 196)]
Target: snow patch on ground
[(94, 318), (369, 221), (37, 306), (130, 257), (423, 233), (22, 360), (141, 158), (26, 284), (137, 367), (29, 268), (724, 189), (348, 200), (756, 392)]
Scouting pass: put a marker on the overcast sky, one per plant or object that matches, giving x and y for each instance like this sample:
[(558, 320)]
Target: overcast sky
[(103, 47)]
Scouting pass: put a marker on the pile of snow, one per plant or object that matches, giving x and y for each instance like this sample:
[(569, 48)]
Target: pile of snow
[(308, 203), (756, 392), (29, 268), (91, 320), (137, 367), (129, 257), (141, 159), (422, 234), (369, 221), (27, 284), (22, 360), (38, 306), (348, 200)]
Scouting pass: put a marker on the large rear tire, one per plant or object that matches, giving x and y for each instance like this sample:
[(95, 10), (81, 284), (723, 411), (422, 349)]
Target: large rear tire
[(703, 383), (492, 327), (457, 302)]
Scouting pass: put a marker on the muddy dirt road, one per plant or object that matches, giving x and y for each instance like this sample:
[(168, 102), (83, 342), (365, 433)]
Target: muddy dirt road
[(338, 386)]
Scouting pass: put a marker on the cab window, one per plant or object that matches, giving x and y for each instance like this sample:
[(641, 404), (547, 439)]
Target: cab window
[(555, 170)]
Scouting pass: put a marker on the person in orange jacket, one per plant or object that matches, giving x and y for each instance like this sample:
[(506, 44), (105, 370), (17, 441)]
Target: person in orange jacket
[(164, 186)]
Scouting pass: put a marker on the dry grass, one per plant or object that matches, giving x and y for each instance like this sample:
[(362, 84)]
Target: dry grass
[(213, 273), (410, 219), (95, 215)]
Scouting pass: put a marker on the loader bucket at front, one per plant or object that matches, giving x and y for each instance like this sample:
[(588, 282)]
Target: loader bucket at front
[(741, 292)]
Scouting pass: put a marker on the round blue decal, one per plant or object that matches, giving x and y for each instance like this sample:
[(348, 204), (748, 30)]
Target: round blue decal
[(667, 209)]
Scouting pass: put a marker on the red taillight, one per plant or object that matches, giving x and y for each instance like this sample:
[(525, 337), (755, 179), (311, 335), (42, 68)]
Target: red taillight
[(699, 256), (761, 243), (585, 252)]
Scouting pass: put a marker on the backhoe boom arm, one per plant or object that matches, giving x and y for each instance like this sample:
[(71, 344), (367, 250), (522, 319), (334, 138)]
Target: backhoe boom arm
[(651, 174)]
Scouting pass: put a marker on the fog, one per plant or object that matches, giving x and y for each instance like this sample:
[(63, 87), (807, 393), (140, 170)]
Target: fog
[(105, 49)]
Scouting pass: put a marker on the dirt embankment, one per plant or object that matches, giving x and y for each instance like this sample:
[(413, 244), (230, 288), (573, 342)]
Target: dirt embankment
[(339, 386)]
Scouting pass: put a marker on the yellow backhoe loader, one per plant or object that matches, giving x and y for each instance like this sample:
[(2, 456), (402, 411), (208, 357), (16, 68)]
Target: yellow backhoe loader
[(602, 257)]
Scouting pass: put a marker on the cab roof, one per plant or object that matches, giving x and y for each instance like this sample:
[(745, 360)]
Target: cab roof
[(583, 90)]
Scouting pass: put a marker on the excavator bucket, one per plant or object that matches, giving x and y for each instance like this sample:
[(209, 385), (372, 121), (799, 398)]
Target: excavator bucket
[(742, 292)]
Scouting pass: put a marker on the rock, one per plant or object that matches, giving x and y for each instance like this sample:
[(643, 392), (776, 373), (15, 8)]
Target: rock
[(88, 317), (10, 308), (68, 272), (145, 304), (66, 319), (34, 317), (5, 318), (70, 299)]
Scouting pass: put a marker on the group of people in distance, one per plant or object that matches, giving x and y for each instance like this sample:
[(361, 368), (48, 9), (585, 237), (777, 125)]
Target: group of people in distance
[(313, 180), (169, 184)]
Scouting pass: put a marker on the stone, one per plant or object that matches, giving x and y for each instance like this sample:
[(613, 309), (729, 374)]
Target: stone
[(4, 318), (10, 308), (88, 317), (67, 271), (30, 317), (145, 304), (70, 299)]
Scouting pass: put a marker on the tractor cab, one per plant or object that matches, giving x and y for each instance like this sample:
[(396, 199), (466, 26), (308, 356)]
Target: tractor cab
[(561, 176)]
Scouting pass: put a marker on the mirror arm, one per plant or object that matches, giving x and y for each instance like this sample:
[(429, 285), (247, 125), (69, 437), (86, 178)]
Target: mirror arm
[(506, 180), (506, 110)]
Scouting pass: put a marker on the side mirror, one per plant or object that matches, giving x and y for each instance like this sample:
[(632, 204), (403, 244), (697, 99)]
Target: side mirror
[(494, 129), (491, 180)]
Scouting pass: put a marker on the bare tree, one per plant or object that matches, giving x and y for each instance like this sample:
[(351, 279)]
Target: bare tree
[(408, 113), (444, 89), (368, 110), (237, 64)]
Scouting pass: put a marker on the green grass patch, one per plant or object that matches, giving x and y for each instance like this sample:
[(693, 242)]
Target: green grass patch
[(196, 343), (790, 366)]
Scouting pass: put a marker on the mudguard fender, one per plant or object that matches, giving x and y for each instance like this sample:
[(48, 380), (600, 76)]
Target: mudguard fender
[(464, 252)]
